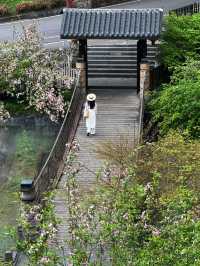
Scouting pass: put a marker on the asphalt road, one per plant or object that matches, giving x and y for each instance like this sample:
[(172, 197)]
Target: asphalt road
[(50, 27)]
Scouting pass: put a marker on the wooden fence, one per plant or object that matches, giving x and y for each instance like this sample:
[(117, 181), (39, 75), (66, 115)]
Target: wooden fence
[(52, 169), (187, 10)]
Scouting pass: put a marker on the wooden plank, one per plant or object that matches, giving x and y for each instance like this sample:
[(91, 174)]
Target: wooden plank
[(117, 114)]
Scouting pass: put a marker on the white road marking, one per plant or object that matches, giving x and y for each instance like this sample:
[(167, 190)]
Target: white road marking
[(51, 37), (49, 43)]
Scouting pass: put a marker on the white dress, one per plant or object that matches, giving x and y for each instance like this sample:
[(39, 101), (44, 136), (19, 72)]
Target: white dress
[(91, 119)]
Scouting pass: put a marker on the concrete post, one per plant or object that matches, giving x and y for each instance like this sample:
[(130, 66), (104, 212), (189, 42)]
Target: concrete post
[(8, 257), (144, 76), (81, 66), (27, 190), (141, 54)]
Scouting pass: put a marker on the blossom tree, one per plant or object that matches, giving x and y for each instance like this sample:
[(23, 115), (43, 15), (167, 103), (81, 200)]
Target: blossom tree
[(34, 75)]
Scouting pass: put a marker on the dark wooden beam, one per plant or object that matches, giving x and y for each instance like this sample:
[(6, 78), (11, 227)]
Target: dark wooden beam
[(86, 63), (83, 54)]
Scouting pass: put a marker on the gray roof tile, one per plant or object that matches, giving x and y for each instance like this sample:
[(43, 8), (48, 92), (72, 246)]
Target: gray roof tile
[(111, 23)]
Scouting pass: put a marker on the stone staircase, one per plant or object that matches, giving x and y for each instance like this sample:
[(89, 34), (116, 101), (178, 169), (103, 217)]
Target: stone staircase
[(115, 65)]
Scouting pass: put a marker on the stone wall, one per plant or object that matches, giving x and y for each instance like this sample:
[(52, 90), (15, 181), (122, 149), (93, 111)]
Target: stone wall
[(97, 3)]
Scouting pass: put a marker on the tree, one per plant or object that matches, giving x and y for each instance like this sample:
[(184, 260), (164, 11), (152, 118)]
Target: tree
[(33, 75), (177, 105), (180, 39)]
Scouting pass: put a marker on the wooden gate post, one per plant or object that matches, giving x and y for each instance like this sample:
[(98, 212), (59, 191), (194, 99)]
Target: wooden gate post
[(82, 64)]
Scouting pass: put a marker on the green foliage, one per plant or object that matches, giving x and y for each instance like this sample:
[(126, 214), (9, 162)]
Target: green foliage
[(14, 108), (22, 164), (142, 219), (39, 227), (176, 161), (180, 39), (11, 3), (11, 6), (177, 105)]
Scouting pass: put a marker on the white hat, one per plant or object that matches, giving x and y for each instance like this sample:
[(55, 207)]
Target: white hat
[(91, 97)]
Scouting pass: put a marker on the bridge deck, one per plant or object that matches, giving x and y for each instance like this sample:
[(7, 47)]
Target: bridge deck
[(118, 113)]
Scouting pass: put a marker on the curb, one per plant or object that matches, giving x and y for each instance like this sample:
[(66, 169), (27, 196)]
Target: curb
[(52, 12), (32, 15)]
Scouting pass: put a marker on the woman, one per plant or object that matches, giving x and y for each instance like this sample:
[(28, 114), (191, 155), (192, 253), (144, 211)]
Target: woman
[(90, 112)]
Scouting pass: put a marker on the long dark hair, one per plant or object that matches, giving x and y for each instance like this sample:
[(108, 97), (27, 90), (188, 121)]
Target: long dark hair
[(91, 104)]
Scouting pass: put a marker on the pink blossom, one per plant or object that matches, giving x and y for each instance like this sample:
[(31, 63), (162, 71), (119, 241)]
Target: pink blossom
[(155, 232)]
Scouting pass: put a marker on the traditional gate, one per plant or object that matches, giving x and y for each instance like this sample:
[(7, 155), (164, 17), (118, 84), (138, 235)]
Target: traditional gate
[(113, 61)]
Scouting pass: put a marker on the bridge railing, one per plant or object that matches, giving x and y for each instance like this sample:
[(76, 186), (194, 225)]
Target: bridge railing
[(187, 10), (141, 116), (52, 169)]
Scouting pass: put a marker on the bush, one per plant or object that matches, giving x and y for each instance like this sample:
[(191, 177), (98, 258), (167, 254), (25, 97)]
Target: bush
[(39, 5), (136, 221), (180, 39), (56, 3), (47, 4), (33, 74), (4, 10), (176, 106), (119, 152), (24, 7)]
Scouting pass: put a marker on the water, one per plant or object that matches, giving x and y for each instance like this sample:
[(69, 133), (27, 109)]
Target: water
[(24, 145)]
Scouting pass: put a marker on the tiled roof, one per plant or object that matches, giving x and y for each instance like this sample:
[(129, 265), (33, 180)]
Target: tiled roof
[(111, 23)]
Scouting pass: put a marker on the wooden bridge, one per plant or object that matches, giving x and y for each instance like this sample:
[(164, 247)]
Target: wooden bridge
[(111, 69), (118, 113)]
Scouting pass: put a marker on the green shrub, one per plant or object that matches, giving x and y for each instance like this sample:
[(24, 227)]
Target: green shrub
[(4, 10), (24, 7), (47, 4), (180, 39), (56, 3), (177, 105), (39, 5), (136, 221)]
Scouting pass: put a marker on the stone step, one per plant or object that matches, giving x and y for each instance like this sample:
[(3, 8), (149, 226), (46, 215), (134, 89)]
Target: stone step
[(112, 75), (113, 53), (116, 66), (110, 83), (111, 60), (110, 70), (112, 47)]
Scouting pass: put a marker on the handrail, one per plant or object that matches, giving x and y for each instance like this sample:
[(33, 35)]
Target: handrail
[(52, 169), (188, 9), (141, 115)]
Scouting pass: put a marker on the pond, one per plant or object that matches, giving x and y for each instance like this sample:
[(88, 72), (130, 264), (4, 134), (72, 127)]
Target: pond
[(24, 146)]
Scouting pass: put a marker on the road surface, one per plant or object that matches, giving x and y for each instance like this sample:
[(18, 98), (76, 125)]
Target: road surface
[(50, 26)]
